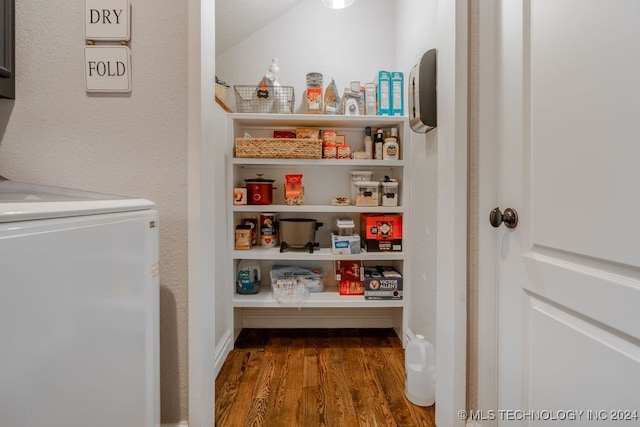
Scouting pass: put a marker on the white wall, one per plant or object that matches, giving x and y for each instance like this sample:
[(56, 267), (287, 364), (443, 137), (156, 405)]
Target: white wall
[(369, 36), (416, 32), (54, 133), (350, 44)]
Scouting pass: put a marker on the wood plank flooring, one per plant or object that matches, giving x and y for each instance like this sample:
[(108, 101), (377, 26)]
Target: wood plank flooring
[(316, 377)]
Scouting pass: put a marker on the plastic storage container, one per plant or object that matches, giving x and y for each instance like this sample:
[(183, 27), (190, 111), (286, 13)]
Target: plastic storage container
[(345, 226), (314, 93), (420, 372), (357, 176), (248, 277), (389, 193), (367, 193)]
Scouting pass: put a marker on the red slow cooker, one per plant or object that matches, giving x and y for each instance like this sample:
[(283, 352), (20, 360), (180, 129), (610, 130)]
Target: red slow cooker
[(259, 190)]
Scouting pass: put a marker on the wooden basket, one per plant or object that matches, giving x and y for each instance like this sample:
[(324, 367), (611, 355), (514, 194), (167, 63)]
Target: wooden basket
[(279, 148)]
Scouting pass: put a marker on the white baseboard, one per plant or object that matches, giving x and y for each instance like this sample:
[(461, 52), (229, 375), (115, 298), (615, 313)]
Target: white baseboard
[(175, 425), (319, 318), (223, 348)]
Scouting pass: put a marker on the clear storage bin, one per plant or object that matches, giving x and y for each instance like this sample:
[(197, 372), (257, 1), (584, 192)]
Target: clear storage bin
[(389, 193), (367, 193), (357, 176)]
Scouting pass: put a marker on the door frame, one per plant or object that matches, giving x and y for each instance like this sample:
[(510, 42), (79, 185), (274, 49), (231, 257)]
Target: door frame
[(201, 204), (451, 299), (451, 317), (486, 358)]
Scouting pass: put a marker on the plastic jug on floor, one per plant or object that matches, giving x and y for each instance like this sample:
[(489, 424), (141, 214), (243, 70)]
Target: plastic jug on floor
[(420, 372)]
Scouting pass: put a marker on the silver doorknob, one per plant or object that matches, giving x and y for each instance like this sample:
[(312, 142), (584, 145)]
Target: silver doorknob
[(509, 217)]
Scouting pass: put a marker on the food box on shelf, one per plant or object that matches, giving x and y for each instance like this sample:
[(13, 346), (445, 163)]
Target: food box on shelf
[(345, 245), (382, 283), (381, 232), (350, 277)]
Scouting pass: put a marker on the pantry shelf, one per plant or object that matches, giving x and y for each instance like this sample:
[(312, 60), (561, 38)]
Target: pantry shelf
[(329, 299), (316, 163), (322, 254), (317, 208), (321, 182)]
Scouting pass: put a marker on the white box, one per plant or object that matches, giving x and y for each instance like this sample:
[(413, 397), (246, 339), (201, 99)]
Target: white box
[(345, 245)]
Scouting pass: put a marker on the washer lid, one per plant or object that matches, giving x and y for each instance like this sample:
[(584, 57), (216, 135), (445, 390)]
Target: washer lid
[(22, 201)]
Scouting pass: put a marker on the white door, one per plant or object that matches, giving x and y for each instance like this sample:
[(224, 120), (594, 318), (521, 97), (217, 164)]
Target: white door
[(569, 164)]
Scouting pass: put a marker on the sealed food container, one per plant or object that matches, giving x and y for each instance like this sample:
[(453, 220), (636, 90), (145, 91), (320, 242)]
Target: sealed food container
[(389, 193), (314, 93), (367, 193), (268, 230), (357, 176), (345, 226)]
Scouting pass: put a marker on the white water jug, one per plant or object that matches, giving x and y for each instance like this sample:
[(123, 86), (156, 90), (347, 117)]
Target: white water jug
[(419, 362)]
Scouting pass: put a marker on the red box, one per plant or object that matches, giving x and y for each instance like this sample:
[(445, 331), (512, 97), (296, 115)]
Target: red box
[(350, 277), (381, 232)]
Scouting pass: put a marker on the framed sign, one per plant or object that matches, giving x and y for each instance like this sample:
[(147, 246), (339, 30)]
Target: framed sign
[(107, 20), (107, 68)]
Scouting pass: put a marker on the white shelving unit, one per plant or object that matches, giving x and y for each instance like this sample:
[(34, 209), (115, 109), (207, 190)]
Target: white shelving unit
[(323, 179)]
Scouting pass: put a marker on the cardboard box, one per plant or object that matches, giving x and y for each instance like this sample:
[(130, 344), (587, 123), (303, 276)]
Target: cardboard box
[(384, 92), (381, 232), (343, 151), (345, 245), (370, 99), (378, 285), (350, 277), (397, 93)]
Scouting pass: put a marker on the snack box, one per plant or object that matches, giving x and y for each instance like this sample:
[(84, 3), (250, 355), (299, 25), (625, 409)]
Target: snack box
[(345, 245), (384, 93), (382, 283), (350, 277), (381, 232), (397, 93)]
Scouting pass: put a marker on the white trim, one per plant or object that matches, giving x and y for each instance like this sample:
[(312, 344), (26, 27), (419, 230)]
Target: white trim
[(201, 77), (175, 425), (487, 327), (224, 347), (451, 341)]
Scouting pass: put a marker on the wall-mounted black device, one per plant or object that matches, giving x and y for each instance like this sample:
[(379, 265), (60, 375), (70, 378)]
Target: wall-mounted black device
[(422, 94)]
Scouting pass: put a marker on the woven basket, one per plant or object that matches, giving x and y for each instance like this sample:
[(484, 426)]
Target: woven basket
[(279, 148)]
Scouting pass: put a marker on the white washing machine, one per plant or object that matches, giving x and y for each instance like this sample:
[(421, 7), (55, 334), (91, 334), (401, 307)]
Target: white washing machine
[(79, 308)]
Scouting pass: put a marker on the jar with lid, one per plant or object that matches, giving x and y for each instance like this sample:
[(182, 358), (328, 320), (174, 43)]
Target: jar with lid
[(314, 93)]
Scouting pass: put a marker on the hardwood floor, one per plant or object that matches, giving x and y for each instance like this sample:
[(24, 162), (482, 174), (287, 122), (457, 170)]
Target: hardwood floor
[(316, 377)]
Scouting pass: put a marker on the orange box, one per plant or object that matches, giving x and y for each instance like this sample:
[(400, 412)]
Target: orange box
[(329, 151), (381, 232), (329, 137), (343, 151)]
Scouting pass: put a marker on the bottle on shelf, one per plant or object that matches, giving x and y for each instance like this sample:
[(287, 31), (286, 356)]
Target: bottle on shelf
[(368, 143), (378, 143), (391, 149)]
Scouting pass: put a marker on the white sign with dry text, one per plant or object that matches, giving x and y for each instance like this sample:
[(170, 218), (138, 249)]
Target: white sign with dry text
[(107, 20), (107, 68)]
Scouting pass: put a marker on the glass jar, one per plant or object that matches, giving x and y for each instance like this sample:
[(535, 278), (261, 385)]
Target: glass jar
[(314, 93)]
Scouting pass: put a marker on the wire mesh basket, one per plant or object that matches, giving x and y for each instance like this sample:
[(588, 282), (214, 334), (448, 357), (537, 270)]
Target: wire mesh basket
[(274, 100)]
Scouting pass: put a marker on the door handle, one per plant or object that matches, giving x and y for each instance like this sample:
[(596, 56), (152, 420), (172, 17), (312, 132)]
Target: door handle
[(509, 217)]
